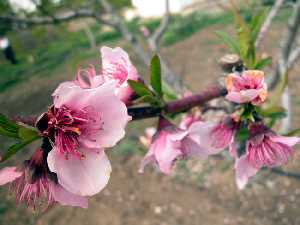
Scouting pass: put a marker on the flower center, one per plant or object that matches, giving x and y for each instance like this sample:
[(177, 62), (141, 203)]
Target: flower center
[(66, 125)]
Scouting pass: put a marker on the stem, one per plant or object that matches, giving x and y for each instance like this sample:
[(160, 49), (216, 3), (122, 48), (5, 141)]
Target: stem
[(189, 102), (178, 106)]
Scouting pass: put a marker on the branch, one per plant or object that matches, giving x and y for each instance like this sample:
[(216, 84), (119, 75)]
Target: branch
[(59, 18), (118, 23), (178, 106), (285, 174), (267, 23), (286, 46), (158, 33), (294, 56)]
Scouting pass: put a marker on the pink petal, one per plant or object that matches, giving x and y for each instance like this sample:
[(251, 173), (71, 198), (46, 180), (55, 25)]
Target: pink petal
[(233, 150), (62, 92), (243, 171), (9, 174), (242, 96), (166, 151), (114, 117), (191, 148), (84, 177), (177, 135), (249, 95), (112, 56), (289, 141), (200, 132), (67, 198)]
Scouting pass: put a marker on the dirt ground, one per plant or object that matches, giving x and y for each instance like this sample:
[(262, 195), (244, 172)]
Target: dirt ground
[(182, 199)]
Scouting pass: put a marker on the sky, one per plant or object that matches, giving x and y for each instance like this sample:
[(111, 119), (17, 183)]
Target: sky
[(145, 8), (150, 8), (22, 5)]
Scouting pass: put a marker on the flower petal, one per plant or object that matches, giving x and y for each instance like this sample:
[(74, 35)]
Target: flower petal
[(84, 177), (67, 198), (191, 148), (289, 141), (242, 96), (166, 152), (200, 132), (9, 174), (243, 171), (114, 117)]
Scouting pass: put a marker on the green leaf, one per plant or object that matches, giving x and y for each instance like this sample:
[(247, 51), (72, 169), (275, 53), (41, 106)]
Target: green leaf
[(295, 132), (140, 88), (169, 93), (27, 133), (242, 135), (263, 63), (6, 133), (17, 147), (256, 23), (229, 42), (148, 99), (155, 68), (8, 125), (274, 112)]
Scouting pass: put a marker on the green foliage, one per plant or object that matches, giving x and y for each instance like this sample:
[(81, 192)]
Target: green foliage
[(156, 81), (23, 134), (169, 93), (274, 112), (182, 27), (140, 89), (12, 150), (229, 41), (247, 33), (242, 135), (7, 127), (261, 63)]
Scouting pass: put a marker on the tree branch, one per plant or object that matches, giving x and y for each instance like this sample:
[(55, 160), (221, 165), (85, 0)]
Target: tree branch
[(294, 56), (155, 38), (180, 105), (280, 172), (267, 23), (59, 18), (286, 46)]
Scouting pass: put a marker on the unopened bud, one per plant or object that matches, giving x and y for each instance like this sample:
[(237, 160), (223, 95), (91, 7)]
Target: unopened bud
[(230, 61)]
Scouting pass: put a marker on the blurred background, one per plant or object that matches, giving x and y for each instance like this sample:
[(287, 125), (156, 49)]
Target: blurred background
[(44, 42)]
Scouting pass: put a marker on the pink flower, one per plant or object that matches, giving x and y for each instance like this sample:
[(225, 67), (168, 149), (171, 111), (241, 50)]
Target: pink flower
[(34, 184), (117, 67), (264, 148), (169, 144), (81, 123), (215, 137), (249, 87)]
